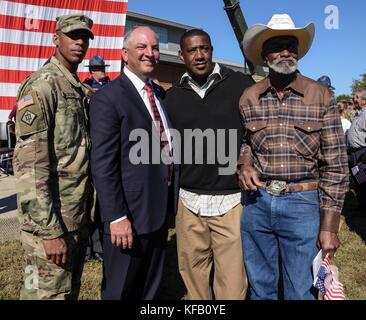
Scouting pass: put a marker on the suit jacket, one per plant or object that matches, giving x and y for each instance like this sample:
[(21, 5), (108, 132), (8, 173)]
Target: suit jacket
[(139, 191)]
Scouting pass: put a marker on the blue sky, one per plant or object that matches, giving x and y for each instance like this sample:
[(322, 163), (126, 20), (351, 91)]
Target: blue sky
[(338, 53)]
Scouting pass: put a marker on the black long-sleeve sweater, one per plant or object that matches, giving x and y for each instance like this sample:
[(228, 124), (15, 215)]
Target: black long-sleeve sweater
[(219, 109)]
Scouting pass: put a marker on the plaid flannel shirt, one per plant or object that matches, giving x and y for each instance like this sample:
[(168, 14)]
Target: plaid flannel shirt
[(297, 138)]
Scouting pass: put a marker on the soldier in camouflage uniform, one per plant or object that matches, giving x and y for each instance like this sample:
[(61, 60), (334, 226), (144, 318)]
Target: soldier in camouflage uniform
[(51, 163)]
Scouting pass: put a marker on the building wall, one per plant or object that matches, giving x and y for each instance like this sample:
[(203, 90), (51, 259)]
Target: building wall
[(174, 39), (170, 68), (167, 73), (169, 37)]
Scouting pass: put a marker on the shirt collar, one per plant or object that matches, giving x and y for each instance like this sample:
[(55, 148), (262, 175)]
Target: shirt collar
[(216, 71), (136, 81), (363, 110), (73, 79), (296, 85)]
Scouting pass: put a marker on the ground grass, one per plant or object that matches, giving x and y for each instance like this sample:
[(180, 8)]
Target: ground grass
[(350, 260), (11, 264), (351, 256)]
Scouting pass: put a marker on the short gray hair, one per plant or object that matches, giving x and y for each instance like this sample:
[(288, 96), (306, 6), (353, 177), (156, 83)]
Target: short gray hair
[(128, 34)]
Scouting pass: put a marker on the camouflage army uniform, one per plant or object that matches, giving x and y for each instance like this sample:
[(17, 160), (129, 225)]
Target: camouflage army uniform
[(51, 165)]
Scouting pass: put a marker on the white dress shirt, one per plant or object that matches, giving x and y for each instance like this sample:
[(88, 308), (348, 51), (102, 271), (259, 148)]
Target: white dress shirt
[(201, 90)]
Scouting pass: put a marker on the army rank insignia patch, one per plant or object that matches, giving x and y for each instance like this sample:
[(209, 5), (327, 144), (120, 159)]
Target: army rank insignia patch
[(28, 117)]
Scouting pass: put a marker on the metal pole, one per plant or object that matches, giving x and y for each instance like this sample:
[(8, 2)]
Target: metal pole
[(239, 25)]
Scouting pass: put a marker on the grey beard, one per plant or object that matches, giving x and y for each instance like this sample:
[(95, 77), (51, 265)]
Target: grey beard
[(285, 69)]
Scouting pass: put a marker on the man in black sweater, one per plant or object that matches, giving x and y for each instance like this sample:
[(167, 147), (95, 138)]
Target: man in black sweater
[(204, 108)]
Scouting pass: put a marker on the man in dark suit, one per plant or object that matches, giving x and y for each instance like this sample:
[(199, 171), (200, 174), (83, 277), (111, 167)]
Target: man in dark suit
[(135, 197)]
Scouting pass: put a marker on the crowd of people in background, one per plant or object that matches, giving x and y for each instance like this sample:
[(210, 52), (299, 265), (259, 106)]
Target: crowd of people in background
[(348, 109), (353, 119), (356, 146)]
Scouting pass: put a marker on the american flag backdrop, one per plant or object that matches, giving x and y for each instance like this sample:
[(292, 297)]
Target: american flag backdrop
[(26, 30)]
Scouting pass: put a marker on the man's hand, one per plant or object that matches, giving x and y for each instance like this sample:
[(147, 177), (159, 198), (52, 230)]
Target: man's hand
[(328, 242), (248, 178), (121, 234), (56, 251)]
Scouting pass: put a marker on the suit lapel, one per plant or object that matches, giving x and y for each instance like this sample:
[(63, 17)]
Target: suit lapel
[(165, 113), (174, 141), (160, 94), (134, 97), (136, 100)]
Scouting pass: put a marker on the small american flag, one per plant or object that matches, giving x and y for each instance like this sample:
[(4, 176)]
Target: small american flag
[(335, 291), (327, 283)]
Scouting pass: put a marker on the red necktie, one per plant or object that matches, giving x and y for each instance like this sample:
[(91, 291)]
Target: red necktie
[(159, 125)]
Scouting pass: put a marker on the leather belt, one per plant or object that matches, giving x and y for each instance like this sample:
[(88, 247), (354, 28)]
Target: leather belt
[(277, 187)]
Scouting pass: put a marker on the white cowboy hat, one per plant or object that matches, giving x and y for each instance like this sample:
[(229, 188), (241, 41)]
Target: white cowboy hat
[(279, 25)]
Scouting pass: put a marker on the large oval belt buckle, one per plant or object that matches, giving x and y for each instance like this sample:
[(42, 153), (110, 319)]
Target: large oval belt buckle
[(276, 187)]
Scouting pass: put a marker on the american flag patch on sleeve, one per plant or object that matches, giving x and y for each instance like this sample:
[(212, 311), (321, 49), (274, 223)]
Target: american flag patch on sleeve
[(26, 101)]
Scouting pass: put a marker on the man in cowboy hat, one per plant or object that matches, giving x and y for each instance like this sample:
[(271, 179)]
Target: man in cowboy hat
[(97, 70), (292, 166)]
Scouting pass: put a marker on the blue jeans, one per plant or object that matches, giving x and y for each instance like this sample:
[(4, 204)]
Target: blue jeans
[(286, 226)]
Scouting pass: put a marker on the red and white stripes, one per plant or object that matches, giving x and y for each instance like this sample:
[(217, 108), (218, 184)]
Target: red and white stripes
[(335, 291), (26, 30)]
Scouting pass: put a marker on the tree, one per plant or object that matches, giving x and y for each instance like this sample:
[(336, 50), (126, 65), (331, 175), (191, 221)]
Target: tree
[(344, 97), (359, 84)]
